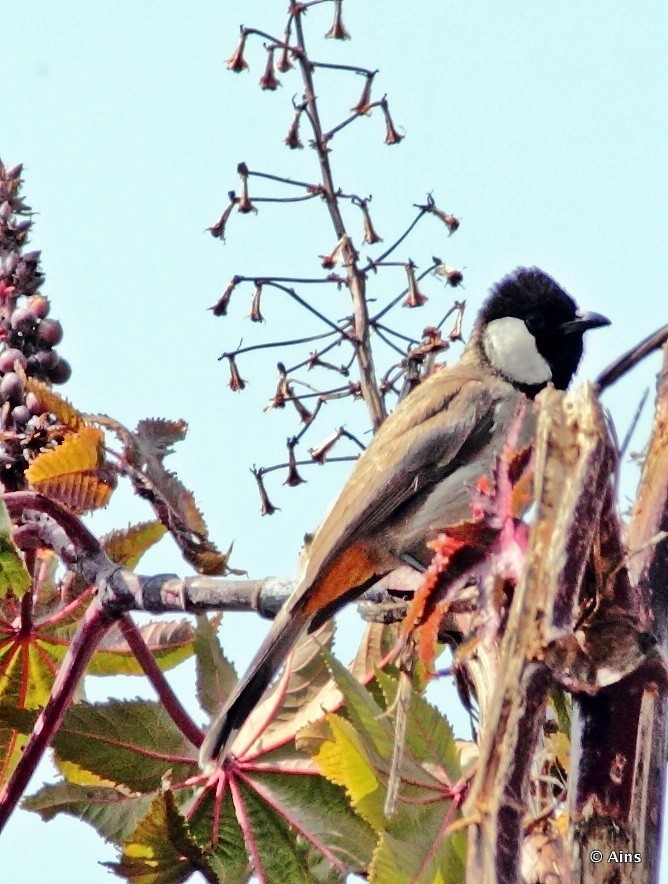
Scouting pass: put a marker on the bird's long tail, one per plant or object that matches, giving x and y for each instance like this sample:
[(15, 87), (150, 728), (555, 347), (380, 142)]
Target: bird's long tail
[(314, 599), (285, 630)]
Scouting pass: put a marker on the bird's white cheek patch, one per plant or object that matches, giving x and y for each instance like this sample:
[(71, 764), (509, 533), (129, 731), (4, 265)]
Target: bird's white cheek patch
[(511, 348)]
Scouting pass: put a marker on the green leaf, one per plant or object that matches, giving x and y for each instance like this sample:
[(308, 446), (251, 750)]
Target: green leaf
[(227, 857), (309, 671), (318, 810), (415, 850), (429, 737), (170, 641), (111, 812), (363, 711), (281, 858), (561, 704), (161, 849), (377, 642), (130, 743), (215, 674), (13, 573)]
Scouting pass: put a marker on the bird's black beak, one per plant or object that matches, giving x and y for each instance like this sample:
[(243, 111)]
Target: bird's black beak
[(583, 322)]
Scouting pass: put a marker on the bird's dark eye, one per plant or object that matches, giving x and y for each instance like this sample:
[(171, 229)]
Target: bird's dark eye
[(535, 322)]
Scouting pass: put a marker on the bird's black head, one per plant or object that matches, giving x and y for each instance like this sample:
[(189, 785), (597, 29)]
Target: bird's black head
[(530, 330)]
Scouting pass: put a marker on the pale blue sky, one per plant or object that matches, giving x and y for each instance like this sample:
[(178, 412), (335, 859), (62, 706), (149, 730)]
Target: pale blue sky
[(543, 126)]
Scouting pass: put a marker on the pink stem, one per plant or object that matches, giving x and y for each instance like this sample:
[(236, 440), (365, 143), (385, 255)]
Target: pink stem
[(157, 678), (86, 639)]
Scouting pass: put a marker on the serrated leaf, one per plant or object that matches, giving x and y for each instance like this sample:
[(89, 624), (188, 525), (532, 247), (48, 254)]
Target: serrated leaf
[(56, 405), (130, 743), (178, 497), (112, 813), (13, 574), (318, 810), (28, 667), (161, 849), (308, 672), (170, 641), (362, 709), (267, 727), (415, 849), (12, 742), (345, 761), (429, 736), (73, 473), (281, 857), (126, 546), (216, 676), (156, 436), (227, 857)]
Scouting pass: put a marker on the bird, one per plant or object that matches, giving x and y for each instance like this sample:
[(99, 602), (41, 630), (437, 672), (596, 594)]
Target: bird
[(417, 474)]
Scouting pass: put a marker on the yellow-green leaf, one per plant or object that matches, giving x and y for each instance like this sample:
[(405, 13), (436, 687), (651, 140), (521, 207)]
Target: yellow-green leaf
[(73, 473), (160, 850), (13, 574), (56, 405), (344, 761), (128, 545), (170, 641)]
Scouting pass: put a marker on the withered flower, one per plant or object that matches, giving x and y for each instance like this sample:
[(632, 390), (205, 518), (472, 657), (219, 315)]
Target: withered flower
[(284, 64), (456, 333), (256, 314), (362, 106), (338, 31), (244, 203), (414, 298), (319, 452), (449, 220), (391, 134), (369, 236), (218, 229), (269, 80), (453, 276), (221, 305), (282, 390), (292, 139), (305, 415), (236, 381), (293, 479), (267, 508), (432, 340), (334, 257), (236, 62)]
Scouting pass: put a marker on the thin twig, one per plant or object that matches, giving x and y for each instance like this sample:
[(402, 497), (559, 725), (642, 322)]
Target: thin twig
[(404, 292), (364, 72), (305, 304), (630, 359), (282, 180), (327, 137), (632, 426), (271, 344), (388, 251)]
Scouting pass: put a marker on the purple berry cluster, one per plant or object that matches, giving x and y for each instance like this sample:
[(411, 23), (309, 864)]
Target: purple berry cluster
[(28, 335)]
